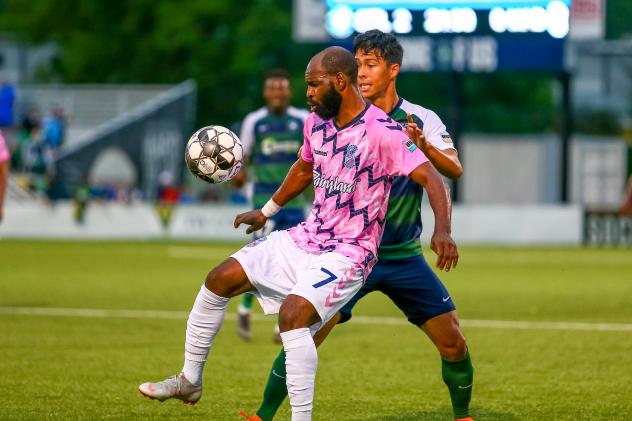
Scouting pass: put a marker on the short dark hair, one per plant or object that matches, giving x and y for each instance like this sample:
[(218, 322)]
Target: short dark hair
[(385, 44), (338, 59), (276, 73)]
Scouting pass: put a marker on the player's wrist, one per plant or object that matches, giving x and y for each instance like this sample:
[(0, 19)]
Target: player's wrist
[(442, 229), (271, 208)]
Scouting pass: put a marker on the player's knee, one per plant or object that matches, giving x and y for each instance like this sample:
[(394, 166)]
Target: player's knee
[(453, 347), (296, 312), (214, 281), (226, 280)]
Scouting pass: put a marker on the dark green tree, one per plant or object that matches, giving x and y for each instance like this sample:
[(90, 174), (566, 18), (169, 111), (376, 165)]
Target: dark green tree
[(227, 46), (618, 16), (224, 46)]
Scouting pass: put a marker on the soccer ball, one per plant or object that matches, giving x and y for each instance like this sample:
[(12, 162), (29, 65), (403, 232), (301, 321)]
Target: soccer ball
[(214, 154)]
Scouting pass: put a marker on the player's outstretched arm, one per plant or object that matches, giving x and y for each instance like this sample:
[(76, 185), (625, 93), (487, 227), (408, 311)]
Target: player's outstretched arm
[(441, 243), (446, 161), (296, 181)]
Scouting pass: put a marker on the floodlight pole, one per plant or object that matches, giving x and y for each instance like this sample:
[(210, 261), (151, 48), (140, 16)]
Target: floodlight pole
[(566, 130), (455, 129)]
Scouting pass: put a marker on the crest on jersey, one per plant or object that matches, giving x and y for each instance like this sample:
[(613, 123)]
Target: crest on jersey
[(445, 136), (349, 158), (410, 145)]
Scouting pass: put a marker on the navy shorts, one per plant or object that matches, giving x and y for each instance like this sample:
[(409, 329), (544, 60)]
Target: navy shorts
[(284, 219), (411, 284)]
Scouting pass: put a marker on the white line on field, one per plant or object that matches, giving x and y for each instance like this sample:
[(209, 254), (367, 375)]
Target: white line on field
[(181, 252), (367, 320), (517, 324)]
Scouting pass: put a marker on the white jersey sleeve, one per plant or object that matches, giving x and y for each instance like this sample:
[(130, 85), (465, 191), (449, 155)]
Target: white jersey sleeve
[(436, 132), (247, 132), (298, 113), (433, 128)]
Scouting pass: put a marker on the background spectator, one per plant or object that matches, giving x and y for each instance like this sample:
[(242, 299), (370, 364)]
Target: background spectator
[(39, 162), (7, 98), (19, 149), (81, 200), (4, 171), (54, 127), (168, 197)]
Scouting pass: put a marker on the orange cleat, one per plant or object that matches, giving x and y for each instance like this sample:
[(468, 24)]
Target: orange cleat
[(465, 419), (254, 417)]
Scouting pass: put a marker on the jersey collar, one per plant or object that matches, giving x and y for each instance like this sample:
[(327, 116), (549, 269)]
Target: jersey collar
[(352, 122), (396, 107)]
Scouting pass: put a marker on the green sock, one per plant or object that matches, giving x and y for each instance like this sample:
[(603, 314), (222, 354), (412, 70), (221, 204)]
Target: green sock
[(275, 391), (246, 302), (459, 376)]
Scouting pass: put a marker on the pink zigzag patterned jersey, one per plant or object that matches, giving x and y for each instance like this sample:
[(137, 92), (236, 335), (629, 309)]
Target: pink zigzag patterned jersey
[(4, 150), (353, 170)]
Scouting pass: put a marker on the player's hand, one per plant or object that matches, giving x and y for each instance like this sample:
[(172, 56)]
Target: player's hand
[(415, 133), (239, 179), (445, 247), (254, 218)]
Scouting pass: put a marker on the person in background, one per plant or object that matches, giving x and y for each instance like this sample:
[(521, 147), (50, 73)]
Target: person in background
[(4, 171), (54, 126), (29, 122), (271, 137), (7, 99), (39, 162), (168, 197), (81, 200)]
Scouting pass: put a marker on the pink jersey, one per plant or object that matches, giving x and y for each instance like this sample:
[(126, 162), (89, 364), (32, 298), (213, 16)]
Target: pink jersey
[(353, 170), (4, 150)]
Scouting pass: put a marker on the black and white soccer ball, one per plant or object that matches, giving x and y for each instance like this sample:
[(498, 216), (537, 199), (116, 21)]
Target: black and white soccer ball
[(214, 154)]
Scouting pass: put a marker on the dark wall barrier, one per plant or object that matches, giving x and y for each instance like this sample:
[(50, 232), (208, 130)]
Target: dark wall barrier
[(607, 227)]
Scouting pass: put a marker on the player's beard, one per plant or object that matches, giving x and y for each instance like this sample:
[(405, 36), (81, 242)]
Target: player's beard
[(329, 105)]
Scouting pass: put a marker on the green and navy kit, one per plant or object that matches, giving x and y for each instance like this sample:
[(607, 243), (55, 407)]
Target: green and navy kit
[(272, 143), (401, 271), (403, 218)]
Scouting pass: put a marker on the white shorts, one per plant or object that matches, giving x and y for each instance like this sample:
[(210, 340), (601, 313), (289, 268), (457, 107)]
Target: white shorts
[(276, 267)]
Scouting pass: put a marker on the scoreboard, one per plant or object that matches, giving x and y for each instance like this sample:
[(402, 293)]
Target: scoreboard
[(481, 36)]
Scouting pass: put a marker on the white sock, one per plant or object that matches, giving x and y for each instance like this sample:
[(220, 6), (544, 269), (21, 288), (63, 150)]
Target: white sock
[(242, 311), (301, 362), (204, 322)]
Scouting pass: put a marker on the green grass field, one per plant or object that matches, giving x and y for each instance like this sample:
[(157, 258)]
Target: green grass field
[(75, 367)]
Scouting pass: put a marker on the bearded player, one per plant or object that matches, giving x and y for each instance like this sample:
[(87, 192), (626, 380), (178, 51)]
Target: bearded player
[(351, 152), (401, 272)]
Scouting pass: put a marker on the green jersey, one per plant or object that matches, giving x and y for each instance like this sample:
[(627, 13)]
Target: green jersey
[(272, 143), (403, 218)]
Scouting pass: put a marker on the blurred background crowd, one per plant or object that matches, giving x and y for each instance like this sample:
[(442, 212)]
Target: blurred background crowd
[(97, 99)]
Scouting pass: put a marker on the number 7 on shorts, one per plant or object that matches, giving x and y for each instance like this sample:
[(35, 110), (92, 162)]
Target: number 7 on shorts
[(331, 278)]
